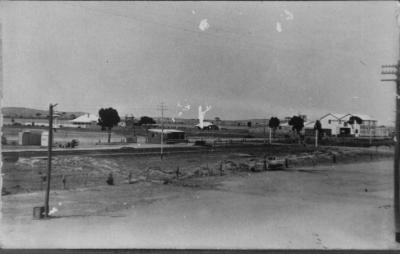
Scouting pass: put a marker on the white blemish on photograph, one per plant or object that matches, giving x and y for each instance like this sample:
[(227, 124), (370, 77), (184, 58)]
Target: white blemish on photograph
[(204, 25), (289, 15), (53, 211), (278, 27)]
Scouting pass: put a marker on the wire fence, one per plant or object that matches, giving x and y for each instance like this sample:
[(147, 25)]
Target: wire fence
[(38, 182), (57, 182)]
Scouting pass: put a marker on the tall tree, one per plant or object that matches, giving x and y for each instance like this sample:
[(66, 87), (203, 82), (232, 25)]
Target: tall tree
[(108, 118), (354, 120), (146, 120), (273, 124), (318, 131), (297, 124), (317, 126)]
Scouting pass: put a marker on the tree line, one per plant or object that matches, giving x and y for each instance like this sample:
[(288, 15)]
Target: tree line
[(108, 118)]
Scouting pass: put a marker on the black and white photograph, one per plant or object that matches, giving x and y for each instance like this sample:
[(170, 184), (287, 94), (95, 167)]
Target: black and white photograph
[(213, 125)]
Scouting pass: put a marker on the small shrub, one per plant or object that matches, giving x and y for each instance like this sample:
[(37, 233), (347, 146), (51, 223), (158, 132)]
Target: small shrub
[(3, 140), (200, 143)]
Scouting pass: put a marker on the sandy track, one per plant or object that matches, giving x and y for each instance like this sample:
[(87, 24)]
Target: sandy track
[(345, 206)]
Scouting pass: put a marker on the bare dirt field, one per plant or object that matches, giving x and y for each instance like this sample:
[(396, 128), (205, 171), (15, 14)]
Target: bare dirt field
[(27, 174), (323, 206)]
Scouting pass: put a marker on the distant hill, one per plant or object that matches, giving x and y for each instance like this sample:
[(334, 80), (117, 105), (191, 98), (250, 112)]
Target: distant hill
[(20, 112)]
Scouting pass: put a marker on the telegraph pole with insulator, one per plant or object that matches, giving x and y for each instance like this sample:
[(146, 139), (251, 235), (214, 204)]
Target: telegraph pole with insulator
[(162, 108), (394, 70), (50, 146)]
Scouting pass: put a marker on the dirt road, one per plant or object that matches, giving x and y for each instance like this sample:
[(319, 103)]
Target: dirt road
[(341, 206)]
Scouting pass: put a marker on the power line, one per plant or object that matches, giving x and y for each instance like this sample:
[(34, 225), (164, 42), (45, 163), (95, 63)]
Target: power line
[(179, 28)]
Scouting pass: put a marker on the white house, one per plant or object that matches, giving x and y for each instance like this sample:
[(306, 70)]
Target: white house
[(338, 124), (85, 120)]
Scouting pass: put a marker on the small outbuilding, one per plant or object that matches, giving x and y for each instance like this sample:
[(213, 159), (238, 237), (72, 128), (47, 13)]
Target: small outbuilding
[(207, 126), (30, 138), (169, 136)]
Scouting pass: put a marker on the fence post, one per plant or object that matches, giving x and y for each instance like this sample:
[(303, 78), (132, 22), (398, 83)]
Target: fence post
[(64, 181), (86, 178), (265, 163), (130, 177)]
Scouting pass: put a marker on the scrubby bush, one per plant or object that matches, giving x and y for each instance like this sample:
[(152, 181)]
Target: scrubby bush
[(3, 140)]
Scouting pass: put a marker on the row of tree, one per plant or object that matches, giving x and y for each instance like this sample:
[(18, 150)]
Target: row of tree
[(297, 124), (109, 118)]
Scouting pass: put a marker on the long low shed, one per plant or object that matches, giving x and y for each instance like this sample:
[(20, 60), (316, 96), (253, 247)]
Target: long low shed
[(169, 136), (29, 138)]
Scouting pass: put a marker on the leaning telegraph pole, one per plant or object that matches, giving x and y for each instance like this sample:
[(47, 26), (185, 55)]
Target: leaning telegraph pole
[(162, 107), (50, 146), (395, 70)]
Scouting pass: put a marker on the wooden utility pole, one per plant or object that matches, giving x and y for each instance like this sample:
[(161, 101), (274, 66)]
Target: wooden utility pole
[(395, 70), (50, 146), (265, 124), (370, 132), (270, 136), (162, 107)]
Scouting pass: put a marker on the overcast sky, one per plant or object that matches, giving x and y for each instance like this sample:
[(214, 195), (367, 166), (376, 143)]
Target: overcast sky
[(246, 60)]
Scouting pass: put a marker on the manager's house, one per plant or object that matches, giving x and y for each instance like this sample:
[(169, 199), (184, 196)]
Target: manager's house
[(357, 125), (84, 121)]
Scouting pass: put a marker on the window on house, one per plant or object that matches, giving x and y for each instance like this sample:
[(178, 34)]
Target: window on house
[(329, 121)]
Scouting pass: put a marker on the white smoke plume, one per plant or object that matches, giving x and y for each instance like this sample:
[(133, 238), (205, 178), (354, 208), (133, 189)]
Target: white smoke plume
[(202, 114)]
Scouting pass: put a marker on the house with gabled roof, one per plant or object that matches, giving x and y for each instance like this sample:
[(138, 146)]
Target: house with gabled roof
[(366, 128), (338, 124), (85, 120), (333, 122)]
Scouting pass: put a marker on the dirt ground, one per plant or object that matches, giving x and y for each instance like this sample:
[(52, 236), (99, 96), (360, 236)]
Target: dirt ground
[(338, 206), (27, 174)]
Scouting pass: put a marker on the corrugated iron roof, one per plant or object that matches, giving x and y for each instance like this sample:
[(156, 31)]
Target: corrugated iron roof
[(205, 124), (86, 118), (165, 130)]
